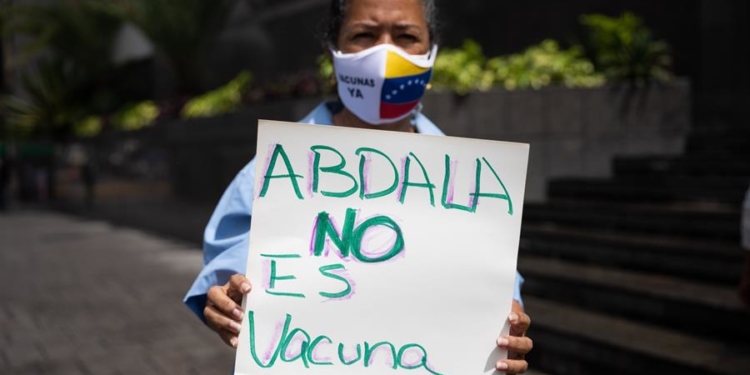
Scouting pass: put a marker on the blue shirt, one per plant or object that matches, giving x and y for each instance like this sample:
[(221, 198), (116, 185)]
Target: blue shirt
[(226, 238)]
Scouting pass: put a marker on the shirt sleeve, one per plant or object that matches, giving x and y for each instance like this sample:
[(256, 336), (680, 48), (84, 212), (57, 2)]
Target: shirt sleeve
[(225, 240), (517, 288)]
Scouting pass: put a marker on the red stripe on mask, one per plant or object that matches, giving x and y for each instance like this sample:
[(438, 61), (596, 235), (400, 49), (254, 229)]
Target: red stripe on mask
[(396, 110)]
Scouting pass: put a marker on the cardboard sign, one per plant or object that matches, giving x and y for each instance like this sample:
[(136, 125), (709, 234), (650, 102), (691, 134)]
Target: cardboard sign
[(377, 252)]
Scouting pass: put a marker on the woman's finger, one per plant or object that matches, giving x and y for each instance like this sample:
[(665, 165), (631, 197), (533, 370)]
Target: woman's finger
[(512, 366), (218, 298), (240, 283), (218, 321), (519, 323), (517, 345), (228, 338)]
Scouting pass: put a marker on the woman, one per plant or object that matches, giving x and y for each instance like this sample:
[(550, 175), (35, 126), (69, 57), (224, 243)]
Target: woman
[(360, 33)]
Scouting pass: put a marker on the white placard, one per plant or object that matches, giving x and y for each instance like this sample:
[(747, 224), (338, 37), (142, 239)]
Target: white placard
[(377, 252)]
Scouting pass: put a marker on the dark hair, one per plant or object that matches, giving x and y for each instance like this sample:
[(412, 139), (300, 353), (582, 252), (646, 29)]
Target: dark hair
[(332, 25)]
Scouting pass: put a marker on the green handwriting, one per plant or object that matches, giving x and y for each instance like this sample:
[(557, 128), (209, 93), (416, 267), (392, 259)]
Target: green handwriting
[(309, 351)]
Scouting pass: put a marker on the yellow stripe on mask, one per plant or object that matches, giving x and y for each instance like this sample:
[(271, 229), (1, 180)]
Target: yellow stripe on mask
[(397, 66)]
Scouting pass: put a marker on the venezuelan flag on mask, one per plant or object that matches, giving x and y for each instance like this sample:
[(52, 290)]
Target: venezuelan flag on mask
[(403, 87)]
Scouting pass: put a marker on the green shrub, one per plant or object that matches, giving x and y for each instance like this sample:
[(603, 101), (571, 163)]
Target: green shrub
[(130, 117), (136, 116), (624, 49), (222, 100), (545, 64), (90, 126)]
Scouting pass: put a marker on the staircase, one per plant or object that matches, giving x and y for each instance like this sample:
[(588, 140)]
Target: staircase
[(637, 274)]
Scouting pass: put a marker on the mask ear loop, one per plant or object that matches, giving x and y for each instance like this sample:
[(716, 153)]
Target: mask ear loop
[(333, 49), (432, 55)]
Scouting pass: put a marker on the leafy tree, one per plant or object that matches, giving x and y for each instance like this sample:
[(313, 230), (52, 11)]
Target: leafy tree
[(182, 31), (67, 65), (70, 47)]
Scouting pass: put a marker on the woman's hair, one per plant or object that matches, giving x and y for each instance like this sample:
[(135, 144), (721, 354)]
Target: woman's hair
[(332, 25)]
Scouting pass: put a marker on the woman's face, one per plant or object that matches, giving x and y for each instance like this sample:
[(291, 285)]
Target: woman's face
[(368, 23)]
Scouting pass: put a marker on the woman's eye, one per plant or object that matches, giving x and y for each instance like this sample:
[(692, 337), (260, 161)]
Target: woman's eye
[(409, 37), (362, 36)]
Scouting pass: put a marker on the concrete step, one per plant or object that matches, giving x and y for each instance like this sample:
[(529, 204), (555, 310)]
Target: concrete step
[(572, 341), (722, 127), (700, 260), (685, 305), (681, 166), (716, 222), (719, 143), (723, 146), (641, 189), (720, 140)]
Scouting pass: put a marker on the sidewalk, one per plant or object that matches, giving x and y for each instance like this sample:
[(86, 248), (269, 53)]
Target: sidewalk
[(84, 297)]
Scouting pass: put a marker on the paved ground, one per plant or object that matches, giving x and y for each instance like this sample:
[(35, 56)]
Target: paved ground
[(83, 297)]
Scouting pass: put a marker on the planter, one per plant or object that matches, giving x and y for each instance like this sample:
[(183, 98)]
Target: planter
[(572, 132)]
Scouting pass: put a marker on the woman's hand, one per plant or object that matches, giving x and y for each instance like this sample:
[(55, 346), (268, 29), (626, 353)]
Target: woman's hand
[(517, 344), (223, 311)]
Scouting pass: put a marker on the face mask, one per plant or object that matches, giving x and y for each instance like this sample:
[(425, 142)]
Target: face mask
[(382, 84)]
